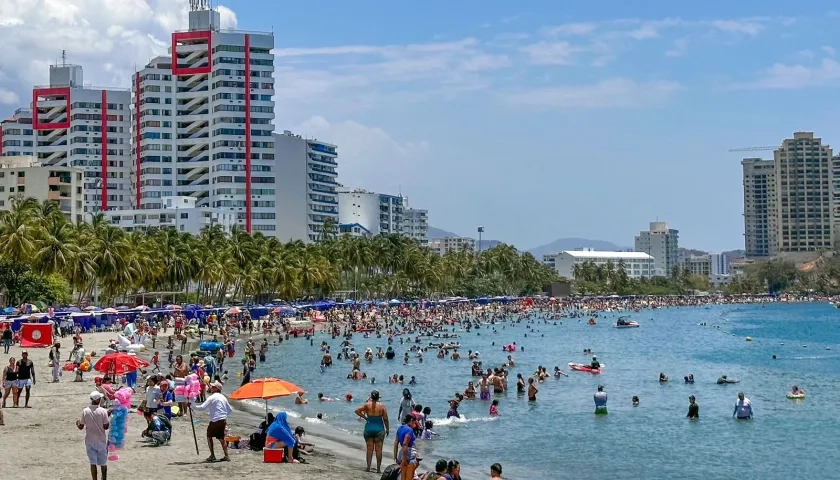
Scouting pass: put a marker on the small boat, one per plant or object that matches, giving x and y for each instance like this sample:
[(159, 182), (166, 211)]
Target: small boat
[(580, 367), (630, 324)]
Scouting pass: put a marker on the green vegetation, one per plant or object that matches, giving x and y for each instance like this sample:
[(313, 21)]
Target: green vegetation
[(612, 278), (821, 276), (45, 257)]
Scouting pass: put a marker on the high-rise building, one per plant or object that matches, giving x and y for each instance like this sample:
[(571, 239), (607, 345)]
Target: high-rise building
[(24, 175), (661, 243), (381, 214), (719, 264), (789, 202), (203, 119), (805, 217), (70, 124), (306, 180), (415, 223), (759, 178)]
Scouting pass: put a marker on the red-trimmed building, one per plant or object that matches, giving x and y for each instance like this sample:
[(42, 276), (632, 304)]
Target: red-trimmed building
[(70, 124), (202, 123)]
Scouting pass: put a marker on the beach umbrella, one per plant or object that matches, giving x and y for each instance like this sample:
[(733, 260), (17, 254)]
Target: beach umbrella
[(110, 311), (233, 311), (141, 308), (265, 389), (173, 307), (119, 363), (10, 310), (91, 308)]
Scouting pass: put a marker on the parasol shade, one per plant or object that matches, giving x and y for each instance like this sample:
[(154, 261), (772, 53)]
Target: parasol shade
[(119, 363)]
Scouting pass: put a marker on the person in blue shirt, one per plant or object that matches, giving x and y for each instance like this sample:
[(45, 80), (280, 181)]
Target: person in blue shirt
[(600, 401), (404, 452), (167, 399)]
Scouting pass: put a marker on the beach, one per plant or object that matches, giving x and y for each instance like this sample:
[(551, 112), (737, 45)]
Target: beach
[(43, 442)]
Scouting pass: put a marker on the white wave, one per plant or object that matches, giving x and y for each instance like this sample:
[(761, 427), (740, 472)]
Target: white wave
[(261, 404), (440, 422), (315, 420)]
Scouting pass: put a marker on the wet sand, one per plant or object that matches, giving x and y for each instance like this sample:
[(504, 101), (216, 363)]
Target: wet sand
[(43, 442)]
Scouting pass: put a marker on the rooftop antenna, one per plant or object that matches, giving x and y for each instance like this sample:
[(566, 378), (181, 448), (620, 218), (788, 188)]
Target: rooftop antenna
[(64, 58)]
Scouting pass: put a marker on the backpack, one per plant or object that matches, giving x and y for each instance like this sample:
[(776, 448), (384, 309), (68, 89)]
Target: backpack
[(391, 472), (165, 421)]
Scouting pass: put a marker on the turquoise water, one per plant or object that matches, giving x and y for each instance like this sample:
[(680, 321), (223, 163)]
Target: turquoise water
[(559, 433)]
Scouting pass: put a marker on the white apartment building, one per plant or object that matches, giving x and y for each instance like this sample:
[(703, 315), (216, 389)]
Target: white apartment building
[(179, 213), (719, 264), (636, 264), (662, 243), (23, 175), (759, 179), (381, 214), (70, 124), (451, 244), (416, 224), (203, 119), (306, 172)]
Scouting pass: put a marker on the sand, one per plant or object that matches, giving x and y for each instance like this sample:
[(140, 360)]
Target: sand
[(43, 442)]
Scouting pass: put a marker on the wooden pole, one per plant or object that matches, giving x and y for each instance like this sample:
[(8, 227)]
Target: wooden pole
[(192, 424)]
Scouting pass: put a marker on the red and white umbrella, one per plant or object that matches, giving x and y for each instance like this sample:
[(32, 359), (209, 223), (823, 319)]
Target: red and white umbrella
[(110, 310), (233, 311)]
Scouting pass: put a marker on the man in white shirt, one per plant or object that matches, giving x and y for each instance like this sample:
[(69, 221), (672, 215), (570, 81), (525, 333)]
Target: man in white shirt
[(218, 409), (95, 422), (743, 408)]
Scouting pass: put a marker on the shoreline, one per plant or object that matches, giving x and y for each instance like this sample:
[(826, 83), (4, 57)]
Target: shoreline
[(48, 429)]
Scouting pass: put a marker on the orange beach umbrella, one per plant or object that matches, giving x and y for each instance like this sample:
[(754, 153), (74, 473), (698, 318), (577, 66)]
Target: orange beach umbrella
[(265, 389)]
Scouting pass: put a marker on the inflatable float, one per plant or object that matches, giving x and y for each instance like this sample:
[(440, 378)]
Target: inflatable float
[(579, 367), (627, 325), (208, 346), (796, 396), (125, 345)]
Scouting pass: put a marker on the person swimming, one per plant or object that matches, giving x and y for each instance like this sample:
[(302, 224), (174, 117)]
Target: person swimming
[(662, 377), (723, 380), (453, 409), (635, 401), (689, 378)]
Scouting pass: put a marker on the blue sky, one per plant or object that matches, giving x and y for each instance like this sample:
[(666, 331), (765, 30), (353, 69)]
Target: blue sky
[(548, 119), (537, 120)]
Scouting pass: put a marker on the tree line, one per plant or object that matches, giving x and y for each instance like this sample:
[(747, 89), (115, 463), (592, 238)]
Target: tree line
[(44, 257)]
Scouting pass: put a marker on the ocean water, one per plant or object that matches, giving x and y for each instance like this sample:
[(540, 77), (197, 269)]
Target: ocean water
[(558, 436)]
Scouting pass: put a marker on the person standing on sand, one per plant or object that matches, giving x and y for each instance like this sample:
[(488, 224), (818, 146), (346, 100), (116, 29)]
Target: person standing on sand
[(25, 375), (95, 423), (10, 383), (218, 409), (376, 428)]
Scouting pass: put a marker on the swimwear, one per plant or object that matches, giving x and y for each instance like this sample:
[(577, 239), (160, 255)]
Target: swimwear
[(452, 413), (374, 428), (485, 395)]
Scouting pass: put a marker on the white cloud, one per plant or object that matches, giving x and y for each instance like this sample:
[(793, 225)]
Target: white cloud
[(790, 77), (368, 156), (828, 50), (8, 97), (571, 29), (678, 49), (739, 26), (107, 37), (612, 93), (551, 53)]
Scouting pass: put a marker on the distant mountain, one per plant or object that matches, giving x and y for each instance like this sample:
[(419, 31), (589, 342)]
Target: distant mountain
[(439, 233), (562, 244)]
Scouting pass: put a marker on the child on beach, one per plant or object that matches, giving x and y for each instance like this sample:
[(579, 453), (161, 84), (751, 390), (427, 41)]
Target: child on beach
[(156, 362), (494, 409)]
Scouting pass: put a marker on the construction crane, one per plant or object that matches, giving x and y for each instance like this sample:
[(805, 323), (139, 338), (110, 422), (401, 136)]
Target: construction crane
[(754, 149)]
